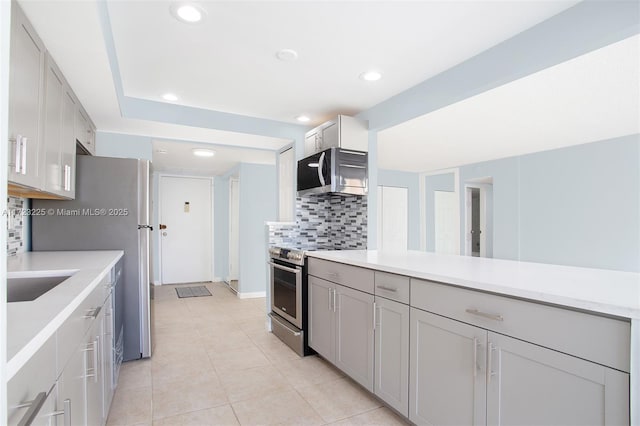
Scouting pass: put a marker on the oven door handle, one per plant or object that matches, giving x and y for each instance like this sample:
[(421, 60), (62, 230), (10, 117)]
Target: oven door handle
[(275, 265)]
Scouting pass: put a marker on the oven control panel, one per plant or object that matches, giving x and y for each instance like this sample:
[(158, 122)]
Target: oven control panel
[(295, 256)]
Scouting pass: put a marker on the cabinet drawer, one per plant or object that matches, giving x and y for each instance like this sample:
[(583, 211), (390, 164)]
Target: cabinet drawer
[(37, 375), (392, 286), (71, 332), (347, 275), (595, 338)]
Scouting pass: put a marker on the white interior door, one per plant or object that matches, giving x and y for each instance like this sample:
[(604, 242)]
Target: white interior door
[(393, 213), (234, 227), (185, 243), (447, 227)]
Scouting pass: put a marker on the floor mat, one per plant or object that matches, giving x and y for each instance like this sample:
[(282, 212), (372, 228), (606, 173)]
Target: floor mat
[(198, 291)]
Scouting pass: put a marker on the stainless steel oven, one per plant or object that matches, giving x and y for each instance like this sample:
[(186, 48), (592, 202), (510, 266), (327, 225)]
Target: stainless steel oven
[(289, 297), (286, 291)]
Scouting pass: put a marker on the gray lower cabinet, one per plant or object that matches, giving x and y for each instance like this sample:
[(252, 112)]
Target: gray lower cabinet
[(341, 328), (447, 385), (94, 372), (391, 377), (354, 334), (462, 374), (535, 385), (71, 388)]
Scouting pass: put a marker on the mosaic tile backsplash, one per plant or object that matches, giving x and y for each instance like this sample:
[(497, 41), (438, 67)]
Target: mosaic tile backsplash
[(328, 221), (15, 225)]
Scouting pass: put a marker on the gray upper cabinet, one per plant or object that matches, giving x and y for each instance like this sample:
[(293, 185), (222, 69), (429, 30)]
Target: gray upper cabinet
[(58, 134), (85, 131), (535, 385), (391, 356), (26, 96), (447, 380), (342, 132)]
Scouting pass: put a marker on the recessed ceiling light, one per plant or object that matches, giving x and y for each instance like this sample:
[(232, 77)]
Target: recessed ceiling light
[(187, 12), (287, 55), (169, 97), (302, 118), (203, 152), (162, 151), (370, 76)]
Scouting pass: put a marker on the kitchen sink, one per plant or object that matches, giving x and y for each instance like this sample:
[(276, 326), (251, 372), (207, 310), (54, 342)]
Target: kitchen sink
[(28, 286)]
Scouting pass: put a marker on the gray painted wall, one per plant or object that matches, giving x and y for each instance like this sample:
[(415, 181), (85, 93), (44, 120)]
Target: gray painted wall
[(411, 181), (123, 146), (575, 206)]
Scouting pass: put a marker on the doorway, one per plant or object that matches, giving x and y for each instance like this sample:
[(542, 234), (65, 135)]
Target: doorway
[(479, 218), (234, 233), (185, 229)]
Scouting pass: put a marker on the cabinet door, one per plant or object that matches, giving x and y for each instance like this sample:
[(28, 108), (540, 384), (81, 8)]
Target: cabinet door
[(107, 357), (529, 384), (354, 334), (94, 373), (71, 387), (392, 354), (25, 101), (310, 143), (330, 135), (321, 317), (446, 375), (52, 134), (68, 144)]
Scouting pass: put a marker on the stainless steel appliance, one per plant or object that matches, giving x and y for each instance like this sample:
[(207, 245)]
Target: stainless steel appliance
[(288, 279), (110, 212), (333, 170)]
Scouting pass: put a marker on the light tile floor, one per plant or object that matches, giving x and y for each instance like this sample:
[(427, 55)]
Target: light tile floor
[(215, 364)]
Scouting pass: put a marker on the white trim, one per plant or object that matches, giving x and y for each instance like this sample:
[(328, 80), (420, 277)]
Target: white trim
[(252, 295), (217, 279), (423, 202), (157, 283), (159, 207)]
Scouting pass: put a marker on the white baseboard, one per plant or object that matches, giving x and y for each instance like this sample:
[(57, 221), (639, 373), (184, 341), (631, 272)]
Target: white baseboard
[(252, 295), (217, 279), (157, 283)]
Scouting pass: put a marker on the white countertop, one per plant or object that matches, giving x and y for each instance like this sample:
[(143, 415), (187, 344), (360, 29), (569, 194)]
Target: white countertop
[(30, 324), (597, 290)]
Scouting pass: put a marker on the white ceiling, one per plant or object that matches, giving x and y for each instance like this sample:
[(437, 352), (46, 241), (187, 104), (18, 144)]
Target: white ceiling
[(592, 97), (179, 158), (227, 63)]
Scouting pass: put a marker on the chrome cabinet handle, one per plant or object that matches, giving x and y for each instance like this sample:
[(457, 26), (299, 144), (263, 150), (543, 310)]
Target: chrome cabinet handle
[(93, 313), (383, 287), (34, 407), (476, 312), (18, 153), (475, 356), (490, 373), (374, 315), (66, 412), (334, 300), (96, 361), (329, 299), (23, 168)]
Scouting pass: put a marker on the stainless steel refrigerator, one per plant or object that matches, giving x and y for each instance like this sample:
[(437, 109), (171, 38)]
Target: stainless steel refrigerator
[(110, 212)]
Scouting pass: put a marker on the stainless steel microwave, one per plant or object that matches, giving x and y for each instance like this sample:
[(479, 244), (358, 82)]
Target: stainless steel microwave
[(334, 170)]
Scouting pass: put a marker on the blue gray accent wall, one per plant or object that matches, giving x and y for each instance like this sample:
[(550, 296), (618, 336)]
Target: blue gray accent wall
[(411, 181), (576, 206), (123, 146)]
